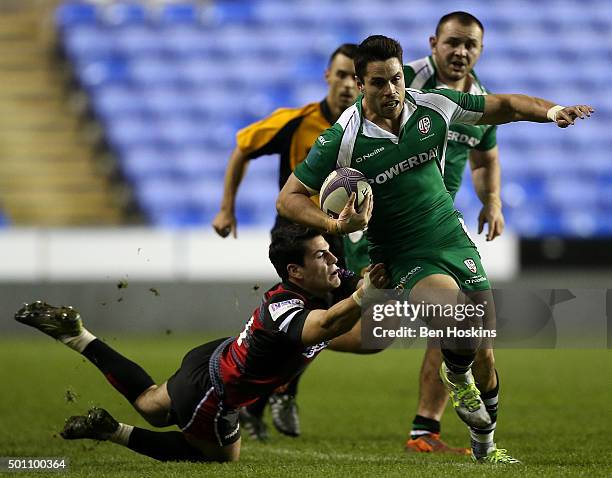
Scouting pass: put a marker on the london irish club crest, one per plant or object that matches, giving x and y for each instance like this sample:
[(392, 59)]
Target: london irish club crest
[(424, 124), (471, 265)]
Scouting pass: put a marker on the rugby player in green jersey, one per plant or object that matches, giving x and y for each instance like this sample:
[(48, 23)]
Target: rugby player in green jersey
[(455, 49), (400, 136)]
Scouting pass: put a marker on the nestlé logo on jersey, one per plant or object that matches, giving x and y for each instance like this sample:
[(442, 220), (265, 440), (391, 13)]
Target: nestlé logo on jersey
[(471, 265), (367, 156), (424, 125)]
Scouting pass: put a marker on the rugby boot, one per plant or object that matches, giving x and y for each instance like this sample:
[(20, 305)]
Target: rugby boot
[(97, 425), (57, 322), (431, 443), (285, 414), (497, 456), (465, 397), (253, 424)]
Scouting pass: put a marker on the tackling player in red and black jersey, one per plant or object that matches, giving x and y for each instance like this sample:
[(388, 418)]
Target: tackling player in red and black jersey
[(315, 304), (290, 133)]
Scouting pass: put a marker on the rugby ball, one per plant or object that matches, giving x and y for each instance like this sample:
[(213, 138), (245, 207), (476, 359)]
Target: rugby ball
[(337, 188)]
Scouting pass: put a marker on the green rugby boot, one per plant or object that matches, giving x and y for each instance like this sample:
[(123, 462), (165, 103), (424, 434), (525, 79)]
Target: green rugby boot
[(465, 397), (57, 322), (497, 456), (97, 425)]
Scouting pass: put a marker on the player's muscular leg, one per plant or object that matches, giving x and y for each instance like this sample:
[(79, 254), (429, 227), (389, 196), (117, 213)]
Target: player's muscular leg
[(214, 452), (429, 287), (154, 405), (436, 289), (484, 363), (484, 370), (432, 394)]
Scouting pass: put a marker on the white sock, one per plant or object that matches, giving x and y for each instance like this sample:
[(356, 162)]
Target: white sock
[(79, 342), (482, 443), (121, 436), (466, 377)]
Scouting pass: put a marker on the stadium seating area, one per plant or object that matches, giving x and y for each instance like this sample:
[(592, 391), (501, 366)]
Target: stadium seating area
[(171, 83)]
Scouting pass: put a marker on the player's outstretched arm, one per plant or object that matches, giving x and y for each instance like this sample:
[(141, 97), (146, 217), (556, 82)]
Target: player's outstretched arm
[(501, 109), (224, 222), (321, 325), (294, 203), (486, 180)]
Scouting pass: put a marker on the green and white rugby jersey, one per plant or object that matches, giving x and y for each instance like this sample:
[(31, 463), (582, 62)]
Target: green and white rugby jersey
[(412, 208), (421, 74)]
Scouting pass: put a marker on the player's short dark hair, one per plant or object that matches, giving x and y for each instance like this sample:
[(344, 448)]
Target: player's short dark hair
[(346, 49), (464, 18), (376, 48), (288, 246)]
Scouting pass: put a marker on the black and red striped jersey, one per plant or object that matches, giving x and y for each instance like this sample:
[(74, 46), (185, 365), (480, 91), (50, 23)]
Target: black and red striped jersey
[(269, 352)]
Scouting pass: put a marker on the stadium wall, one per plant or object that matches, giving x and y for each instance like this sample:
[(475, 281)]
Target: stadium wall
[(156, 280)]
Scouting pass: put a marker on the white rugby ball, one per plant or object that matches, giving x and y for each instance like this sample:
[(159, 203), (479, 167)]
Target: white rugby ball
[(337, 188)]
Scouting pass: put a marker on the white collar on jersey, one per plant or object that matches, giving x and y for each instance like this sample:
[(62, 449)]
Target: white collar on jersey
[(475, 88), (372, 130)]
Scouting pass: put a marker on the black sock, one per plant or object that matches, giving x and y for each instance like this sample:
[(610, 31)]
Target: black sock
[(422, 426), (163, 446), (257, 408), (458, 363), (490, 399), (126, 376), (292, 387)]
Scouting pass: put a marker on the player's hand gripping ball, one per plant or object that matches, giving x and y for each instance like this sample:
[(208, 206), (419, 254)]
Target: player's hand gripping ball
[(337, 188)]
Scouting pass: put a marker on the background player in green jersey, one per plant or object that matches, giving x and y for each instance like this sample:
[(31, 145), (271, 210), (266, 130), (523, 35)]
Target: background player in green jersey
[(414, 228)]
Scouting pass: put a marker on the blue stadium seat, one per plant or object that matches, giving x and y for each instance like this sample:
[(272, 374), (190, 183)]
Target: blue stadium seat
[(534, 221), (466, 198), (185, 41), (118, 100), (93, 74), (88, 43), (578, 222), (136, 40), (144, 162), (199, 163), (567, 192), (179, 130), (603, 221), (205, 194), (119, 14), (177, 218), (172, 82), (151, 70), (161, 101), (74, 13), (162, 194), (124, 132), (181, 13), (230, 12)]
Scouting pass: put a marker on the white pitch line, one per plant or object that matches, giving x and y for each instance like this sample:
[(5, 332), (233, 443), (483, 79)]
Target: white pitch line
[(353, 457)]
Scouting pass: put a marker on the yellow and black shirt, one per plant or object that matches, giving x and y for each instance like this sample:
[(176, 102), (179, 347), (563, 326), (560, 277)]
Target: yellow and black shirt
[(289, 132)]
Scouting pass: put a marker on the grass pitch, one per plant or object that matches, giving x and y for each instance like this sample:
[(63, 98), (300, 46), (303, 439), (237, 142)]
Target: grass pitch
[(555, 414)]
